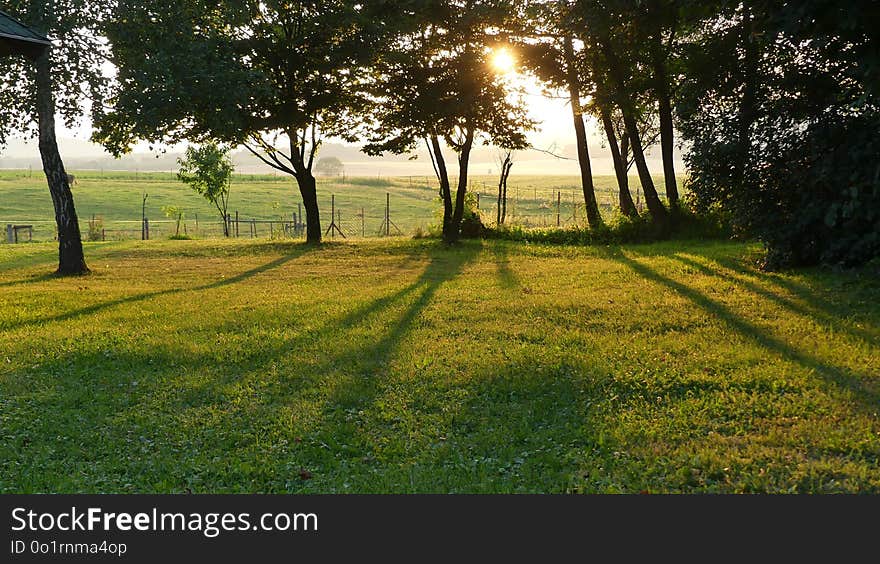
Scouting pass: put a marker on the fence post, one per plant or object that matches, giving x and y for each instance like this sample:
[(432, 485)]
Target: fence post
[(147, 228), (103, 235), (236, 223), (478, 200), (253, 228), (10, 238), (558, 207), (363, 224)]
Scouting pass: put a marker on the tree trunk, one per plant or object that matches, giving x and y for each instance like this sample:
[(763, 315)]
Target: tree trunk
[(504, 196), (624, 102), (627, 206), (655, 206), (70, 251), (747, 109), (308, 190), (506, 165), (445, 188), (593, 216), (664, 110), (458, 213)]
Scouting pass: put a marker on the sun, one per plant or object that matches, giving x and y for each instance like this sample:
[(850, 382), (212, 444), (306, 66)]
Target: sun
[(503, 61)]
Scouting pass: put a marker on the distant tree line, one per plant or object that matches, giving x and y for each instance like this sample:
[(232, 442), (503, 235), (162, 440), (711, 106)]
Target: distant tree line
[(775, 103)]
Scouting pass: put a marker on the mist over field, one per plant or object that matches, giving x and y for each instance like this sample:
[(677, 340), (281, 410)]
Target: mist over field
[(551, 157)]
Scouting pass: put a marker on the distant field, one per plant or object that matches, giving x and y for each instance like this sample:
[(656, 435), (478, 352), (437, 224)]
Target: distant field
[(116, 198), (400, 366)]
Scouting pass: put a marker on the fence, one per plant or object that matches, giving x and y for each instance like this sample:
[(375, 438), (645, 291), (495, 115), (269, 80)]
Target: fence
[(562, 207)]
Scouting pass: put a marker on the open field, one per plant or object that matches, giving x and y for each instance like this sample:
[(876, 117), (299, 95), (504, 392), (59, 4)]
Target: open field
[(117, 197), (400, 366)]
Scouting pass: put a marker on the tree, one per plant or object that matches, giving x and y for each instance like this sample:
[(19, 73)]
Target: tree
[(550, 51), (273, 75), (781, 108), (208, 170), (660, 21), (330, 166), (610, 32), (63, 79), (177, 214), (619, 145), (435, 84), (506, 159)]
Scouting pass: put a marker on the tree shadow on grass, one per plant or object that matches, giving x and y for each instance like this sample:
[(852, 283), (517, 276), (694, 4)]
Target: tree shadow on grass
[(142, 393), (149, 295), (809, 311), (506, 277), (868, 397), (809, 294)]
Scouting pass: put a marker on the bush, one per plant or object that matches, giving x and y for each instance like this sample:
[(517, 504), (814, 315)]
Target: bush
[(96, 228), (472, 226), (622, 229)]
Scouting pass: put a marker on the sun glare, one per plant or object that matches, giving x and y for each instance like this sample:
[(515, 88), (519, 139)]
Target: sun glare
[(503, 61)]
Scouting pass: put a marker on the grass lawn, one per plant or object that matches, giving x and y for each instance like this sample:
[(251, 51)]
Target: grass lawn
[(400, 366)]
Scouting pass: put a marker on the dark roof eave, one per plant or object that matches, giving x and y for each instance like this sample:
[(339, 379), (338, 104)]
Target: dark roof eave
[(43, 42)]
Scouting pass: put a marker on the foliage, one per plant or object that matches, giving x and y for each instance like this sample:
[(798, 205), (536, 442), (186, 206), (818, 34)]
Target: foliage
[(472, 221), (96, 228), (76, 59), (435, 85), (208, 171), (622, 229), (799, 170), (176, 213), (271, 75)]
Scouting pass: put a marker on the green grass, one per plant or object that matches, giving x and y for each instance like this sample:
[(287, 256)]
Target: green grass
[(400, 366), (117, 197)]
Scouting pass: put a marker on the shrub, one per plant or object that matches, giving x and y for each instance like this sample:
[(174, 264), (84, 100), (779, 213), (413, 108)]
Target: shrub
[(96, 228)]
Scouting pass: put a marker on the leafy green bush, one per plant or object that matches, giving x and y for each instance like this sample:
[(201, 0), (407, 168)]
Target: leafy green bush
[(96, 228), (471, 222)]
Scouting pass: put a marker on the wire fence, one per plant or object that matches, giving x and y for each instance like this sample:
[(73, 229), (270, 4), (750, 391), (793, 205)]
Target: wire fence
[(560, 208)]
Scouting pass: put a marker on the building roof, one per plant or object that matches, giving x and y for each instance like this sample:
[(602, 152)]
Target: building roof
[(19, 39)]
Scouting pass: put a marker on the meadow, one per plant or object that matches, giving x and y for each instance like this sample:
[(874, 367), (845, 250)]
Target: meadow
[(116, 198), (399, 365)]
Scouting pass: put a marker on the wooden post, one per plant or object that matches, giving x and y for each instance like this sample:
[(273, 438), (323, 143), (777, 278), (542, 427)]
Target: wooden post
[(236, 223), (478, 200), (146, 229), (103, 235), (10, 235), (558, 207), (387, 213), (253, 228)]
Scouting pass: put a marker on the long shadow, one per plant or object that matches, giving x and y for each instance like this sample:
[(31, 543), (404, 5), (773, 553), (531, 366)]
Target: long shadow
[(29, 280), (867, 397), (791, 305), (803, 292), (506, 277), (149, 295), (360, 370), (362, 362)]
